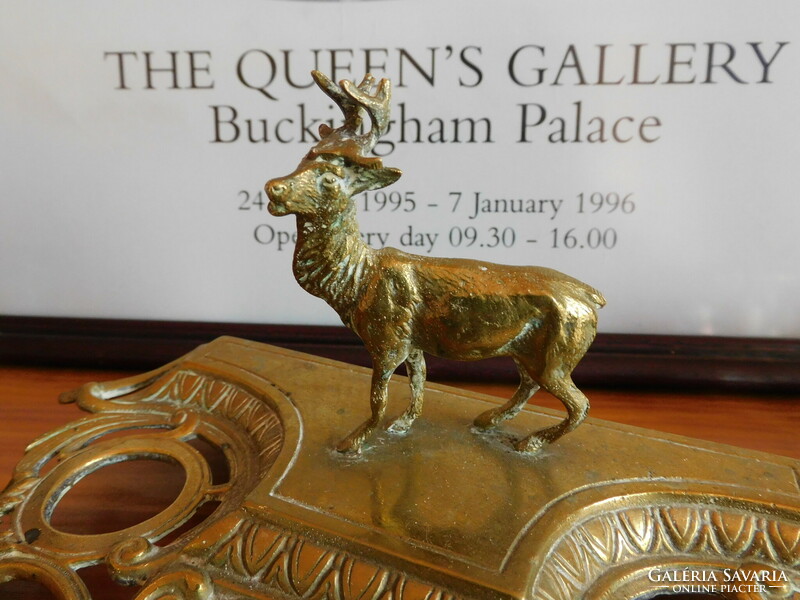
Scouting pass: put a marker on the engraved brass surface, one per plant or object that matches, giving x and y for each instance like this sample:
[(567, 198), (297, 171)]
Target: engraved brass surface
[(402, 305), (435, 515)]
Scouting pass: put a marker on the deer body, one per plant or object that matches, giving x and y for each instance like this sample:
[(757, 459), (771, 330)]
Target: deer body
[(402, 305)]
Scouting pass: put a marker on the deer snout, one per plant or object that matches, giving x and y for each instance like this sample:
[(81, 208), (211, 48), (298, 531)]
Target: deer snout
[(276, 189)]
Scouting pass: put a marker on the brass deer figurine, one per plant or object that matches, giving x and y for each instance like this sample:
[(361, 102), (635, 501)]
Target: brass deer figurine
[(402, 305)]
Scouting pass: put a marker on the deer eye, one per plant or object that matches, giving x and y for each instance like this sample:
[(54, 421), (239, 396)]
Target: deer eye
[(328, 179)]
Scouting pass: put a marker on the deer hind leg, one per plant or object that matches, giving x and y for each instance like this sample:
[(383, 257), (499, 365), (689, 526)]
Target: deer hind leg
[(527, 388), (415, 363), (378, 395), (577, 406), (573, 335)]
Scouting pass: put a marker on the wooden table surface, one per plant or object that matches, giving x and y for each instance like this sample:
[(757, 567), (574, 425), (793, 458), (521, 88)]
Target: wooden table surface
[(29, 408)]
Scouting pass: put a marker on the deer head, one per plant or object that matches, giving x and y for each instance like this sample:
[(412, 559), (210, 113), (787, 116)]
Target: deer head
[(339, 166)]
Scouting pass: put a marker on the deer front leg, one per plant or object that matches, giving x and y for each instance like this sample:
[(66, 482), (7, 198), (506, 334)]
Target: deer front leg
[(380, 381), (416, 375)]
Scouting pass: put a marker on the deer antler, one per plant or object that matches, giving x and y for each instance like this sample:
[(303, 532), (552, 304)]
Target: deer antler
[(351, 99), (377, 106)]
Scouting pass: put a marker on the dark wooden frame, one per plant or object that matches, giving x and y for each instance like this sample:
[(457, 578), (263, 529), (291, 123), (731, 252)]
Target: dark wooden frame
[(757, 364)]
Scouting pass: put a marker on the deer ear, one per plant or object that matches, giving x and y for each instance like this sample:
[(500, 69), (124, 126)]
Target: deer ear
[(374, 179)]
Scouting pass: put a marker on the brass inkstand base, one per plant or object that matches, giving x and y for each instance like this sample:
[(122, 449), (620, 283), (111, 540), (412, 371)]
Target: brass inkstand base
[(607, 512)]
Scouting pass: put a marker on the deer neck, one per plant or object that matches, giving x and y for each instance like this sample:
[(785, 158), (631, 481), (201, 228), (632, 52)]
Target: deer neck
[(331, 260)]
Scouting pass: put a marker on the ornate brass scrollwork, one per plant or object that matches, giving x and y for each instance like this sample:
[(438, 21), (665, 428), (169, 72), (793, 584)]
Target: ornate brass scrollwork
[(153, 417)]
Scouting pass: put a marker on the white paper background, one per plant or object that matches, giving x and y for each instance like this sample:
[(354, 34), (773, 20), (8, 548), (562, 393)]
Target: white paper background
[(115, 203)]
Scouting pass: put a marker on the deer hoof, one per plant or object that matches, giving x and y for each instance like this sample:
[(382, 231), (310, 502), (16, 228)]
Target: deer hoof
[(486, 420), (530, 445), (401, 425), (349, 446)]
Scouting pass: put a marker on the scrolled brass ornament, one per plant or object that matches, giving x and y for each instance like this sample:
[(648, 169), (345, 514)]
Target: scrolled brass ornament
[(402, 305)]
